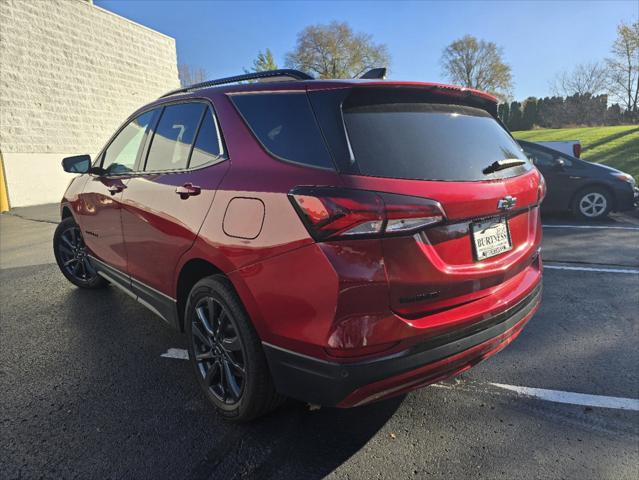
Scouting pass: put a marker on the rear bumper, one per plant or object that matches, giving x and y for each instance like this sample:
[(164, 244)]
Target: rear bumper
[(352, 384)]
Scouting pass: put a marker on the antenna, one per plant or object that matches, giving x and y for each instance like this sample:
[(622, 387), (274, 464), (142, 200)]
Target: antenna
[(378, 73)]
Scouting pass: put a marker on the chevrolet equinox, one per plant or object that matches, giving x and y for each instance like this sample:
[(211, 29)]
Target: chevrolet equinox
[(334, 241)]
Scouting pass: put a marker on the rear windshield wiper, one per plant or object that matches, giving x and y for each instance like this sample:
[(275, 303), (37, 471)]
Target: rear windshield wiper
[(502, 165)]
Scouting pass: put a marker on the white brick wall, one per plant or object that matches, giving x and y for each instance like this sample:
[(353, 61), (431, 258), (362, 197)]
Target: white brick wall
[(70, 73)]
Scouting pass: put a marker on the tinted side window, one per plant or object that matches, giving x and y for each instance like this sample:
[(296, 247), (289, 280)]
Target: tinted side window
[(208, 145), (285, 126), (567, 161), (121, 154), (539, 158), (542, 158), (174, 136)]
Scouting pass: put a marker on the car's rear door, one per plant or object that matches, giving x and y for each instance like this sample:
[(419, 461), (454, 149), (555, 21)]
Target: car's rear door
[(164, 205)]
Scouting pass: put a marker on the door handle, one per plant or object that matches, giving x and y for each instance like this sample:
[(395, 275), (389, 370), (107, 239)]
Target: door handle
[(187, 190), (115, 188)]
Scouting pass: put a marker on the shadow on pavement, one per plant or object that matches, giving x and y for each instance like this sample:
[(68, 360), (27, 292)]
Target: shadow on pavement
[(94, 381)]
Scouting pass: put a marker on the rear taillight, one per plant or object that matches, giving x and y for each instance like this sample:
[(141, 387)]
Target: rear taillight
[(541, 189), (576, 149), (331, 213)]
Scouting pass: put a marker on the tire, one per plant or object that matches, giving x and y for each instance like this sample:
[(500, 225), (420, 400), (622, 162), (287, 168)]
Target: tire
[(71, 256), (226, 353), (593, 203)]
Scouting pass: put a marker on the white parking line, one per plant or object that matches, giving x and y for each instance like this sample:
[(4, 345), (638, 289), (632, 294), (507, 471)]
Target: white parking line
[(593, 227), (591, 269), (572, 398), (556, 396), (177, 353)]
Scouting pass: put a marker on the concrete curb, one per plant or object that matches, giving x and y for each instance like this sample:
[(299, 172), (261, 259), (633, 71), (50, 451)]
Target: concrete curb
[(47, 213)]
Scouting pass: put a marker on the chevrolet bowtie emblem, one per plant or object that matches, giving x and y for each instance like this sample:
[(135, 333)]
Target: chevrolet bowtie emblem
[(507, 203)]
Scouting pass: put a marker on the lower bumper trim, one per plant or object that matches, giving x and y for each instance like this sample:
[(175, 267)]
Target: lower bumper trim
[(330, 383)]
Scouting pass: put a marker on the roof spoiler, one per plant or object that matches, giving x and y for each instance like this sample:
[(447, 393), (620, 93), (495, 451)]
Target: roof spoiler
[(269, 74)]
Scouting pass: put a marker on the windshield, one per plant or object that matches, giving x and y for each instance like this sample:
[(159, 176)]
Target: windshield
[(429, 142)]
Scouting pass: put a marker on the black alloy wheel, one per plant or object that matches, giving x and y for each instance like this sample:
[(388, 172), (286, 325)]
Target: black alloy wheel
[(218, 351), (72, 257), (226, 352)]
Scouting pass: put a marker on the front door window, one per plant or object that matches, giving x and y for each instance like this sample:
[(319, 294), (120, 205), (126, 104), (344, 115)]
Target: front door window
[(121, 154)]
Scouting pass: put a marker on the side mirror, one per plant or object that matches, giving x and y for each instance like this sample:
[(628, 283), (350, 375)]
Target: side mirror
[(77, 164), (559, 163)]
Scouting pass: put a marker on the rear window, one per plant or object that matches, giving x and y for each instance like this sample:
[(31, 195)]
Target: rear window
[(429, 142), (285, 126)]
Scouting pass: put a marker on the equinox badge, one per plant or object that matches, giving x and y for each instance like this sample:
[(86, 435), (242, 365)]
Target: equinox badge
[(507, 203)]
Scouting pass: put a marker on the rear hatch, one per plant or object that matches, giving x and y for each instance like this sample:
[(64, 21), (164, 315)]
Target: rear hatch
[(445, 146)]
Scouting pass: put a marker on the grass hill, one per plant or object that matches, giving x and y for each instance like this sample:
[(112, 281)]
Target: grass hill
[(616, 146)]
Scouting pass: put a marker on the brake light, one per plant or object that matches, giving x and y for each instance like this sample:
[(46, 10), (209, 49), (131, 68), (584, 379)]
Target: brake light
[(576, 149), (541, 189), (331, 213)]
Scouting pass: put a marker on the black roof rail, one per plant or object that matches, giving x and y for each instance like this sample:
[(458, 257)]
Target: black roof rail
[(284, 73), (379, 73)]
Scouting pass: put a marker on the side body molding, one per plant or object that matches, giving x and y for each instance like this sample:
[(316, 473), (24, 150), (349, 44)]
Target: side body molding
[(162, 305)]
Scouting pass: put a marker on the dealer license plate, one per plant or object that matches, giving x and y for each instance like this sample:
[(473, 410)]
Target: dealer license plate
[(491, 237)]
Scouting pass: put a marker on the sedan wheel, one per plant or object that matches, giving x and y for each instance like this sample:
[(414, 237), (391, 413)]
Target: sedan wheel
[(592, 204)]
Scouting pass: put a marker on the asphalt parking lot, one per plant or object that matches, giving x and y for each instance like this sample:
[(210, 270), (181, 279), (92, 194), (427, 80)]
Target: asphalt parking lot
[(86, 392)]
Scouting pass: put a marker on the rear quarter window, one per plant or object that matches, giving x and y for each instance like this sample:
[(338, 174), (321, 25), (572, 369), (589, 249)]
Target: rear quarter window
[(208, 144), (173, 137), (285, 126)]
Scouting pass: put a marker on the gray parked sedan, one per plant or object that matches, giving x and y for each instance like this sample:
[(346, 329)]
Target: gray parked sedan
[(589, 190)]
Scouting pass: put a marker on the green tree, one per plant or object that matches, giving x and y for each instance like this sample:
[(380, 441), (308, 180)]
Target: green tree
[(541, 108), (623, 67), (477, 64), (614, 115), (503, 111), (529, 117), (335, 51), (263, 63), (515, 118)]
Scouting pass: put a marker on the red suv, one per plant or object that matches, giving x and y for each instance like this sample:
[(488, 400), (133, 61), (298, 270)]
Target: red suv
[(333, 241)]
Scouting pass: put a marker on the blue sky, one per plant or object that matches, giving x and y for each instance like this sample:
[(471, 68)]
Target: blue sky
[(539, 38)]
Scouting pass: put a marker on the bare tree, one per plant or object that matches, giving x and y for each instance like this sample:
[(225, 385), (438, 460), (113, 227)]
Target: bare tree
[(477, 64), (190, 75), (335, 51), (623, 66), (584, 78), (263, 63)]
